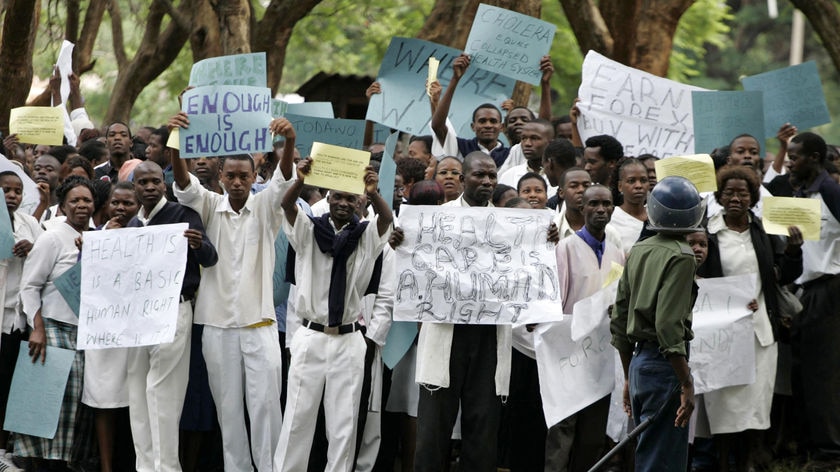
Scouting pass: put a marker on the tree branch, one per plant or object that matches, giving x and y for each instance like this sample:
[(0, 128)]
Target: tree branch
[(824, 18), (182, 20), (83, 52), (589, 26), (117, 33)]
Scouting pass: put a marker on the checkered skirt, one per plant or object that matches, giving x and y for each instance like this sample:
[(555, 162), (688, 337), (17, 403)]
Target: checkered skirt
[(68, 444)]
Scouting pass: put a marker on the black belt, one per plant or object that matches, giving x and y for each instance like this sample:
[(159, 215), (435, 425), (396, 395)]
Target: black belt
[(343, 329)]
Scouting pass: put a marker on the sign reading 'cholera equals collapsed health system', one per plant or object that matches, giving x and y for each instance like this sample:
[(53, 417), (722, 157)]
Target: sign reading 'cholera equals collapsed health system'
[(131, 286)]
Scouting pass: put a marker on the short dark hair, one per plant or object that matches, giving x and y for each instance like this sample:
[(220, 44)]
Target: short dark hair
[(424, 138), (69, 184), (561, 152), (530, 175), (611, 149), (560, 120), (486, 105), (562, 182), (515, 202), (108, 128), (530, 113), (236, 157), (163, 132), (811, 144), (467, 163), (426, 192), (7, 173), (93, 149), (545, 124), (411, 170), (60, 153), (77, 161), (101, 194), (500, 190)]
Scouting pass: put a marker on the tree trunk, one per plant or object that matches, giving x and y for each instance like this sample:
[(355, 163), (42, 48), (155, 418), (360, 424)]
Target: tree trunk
[(16, 49), (205, 35), (83, 52), (234, 22), (272, 33), (156, 52), (824, 18), (655, 35), (588, 26), (449, 22)]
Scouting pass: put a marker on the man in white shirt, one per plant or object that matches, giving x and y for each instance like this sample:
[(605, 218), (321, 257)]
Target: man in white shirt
[(235, 298), (534, 138), (334, 266)]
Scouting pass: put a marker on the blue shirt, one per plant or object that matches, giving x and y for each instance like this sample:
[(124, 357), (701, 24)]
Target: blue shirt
[(597, 246)]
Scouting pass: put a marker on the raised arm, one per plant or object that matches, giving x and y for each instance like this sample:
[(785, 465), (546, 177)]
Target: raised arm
[(459, 66), (289, 201), (784, 134), (283, 127), (179, 166), (574, 114), (380, 206), (547, 69)]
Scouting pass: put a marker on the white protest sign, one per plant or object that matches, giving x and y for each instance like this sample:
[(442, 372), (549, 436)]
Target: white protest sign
[(573, 375), (131, 286), (590, 312), (723, 349), (31, 197), (646, 113), (475, 265)]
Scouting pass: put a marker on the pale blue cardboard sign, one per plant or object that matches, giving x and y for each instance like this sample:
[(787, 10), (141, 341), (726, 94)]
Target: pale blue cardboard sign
[(380, 133), (721, 116), (226, 120), (509, 43), (7, 236), (403, 103), (238, 69), (400, 338), (69, 285), (317, 109), (37, 392), (308, 129), (388, 170), (791, 95)]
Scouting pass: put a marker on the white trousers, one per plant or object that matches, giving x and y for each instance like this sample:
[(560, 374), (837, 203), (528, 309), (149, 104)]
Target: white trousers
[(332, 365), (245, 363), (157, 382)]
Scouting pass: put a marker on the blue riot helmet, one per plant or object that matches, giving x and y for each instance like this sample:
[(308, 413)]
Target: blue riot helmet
[(675, 207)]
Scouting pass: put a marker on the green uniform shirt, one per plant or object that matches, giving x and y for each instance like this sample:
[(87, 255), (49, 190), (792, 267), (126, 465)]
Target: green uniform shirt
[(655, 296)]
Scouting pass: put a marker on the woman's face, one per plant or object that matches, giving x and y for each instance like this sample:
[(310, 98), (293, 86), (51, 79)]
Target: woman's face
[(78, 206), (699, 243), (735, 197), (633, 184), (534, 191), (448, 175), (124, 205)]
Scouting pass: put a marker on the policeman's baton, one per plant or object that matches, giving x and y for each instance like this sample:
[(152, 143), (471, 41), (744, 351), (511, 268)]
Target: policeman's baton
[(638, 429)]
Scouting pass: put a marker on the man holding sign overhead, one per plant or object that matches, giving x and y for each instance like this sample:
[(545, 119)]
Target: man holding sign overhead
[(334, 266), (235, 302)]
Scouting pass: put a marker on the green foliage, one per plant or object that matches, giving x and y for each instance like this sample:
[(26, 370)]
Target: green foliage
[(702, 25)]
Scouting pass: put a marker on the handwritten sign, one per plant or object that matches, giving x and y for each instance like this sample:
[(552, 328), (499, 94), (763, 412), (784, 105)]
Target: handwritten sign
[(791, 95), (226, 120), (699, 169), (723, 348), (7, 236), (31, 197), (131, 286), (509, 43), (590, 312), (721, 116), (475, 266), (403, 103), (238, 69), (646, 113), (780, 212), (338, 132), (338, 168), (69, 285), (37, 392), (388, 169), (38, 125), (317, 109), (573, 374)]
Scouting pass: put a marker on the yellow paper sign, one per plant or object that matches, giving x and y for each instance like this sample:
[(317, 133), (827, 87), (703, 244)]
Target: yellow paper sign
[(433, 70), (338, 168), (38, 125), (777, 213), (174, 140), (615, 273), (699, 169)]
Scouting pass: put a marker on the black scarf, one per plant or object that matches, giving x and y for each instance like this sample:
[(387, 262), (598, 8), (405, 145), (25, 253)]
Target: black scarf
[(340, 246)]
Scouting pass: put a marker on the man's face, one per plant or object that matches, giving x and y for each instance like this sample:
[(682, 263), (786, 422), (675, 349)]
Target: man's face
[(744, 152), (342, 206), (205, 168), (13, 191), (575, 184), (514, 122), (598, 167), (155, 150), (149, 186), (480, 181), (564, 130), (597, 208), (417, 150), (799, 163), (399, 191), (46, 170), (487, 124), (533, 139), (237, 178), (118, 139)]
